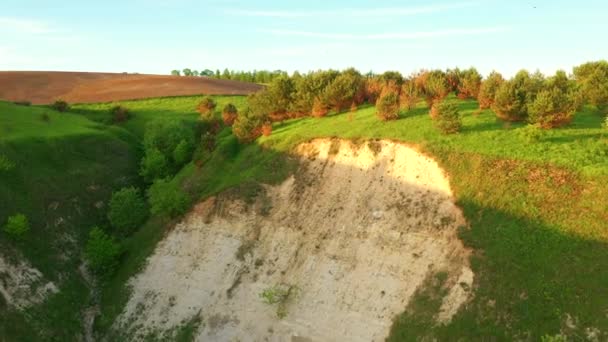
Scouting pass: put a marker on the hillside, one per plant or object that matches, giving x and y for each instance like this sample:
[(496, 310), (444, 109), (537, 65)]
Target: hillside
[(290, 212), (43, 87)]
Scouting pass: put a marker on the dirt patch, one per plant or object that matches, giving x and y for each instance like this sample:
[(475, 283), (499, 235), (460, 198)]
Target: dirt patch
[(22, 286), (356, 231), (43, 87)]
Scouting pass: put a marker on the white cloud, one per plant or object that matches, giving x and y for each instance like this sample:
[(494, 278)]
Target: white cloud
[(24, 25), (352, 12), (389, 36)]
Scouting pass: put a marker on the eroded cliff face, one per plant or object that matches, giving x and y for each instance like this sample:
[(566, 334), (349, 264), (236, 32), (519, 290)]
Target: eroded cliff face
[(340, 248)]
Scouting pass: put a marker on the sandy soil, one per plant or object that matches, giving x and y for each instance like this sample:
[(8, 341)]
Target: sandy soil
[(42, 87), (353, 234), (21, 285)]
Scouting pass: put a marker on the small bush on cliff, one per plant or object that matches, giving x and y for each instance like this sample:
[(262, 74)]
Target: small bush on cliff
[(229, 114), (102, 252), (127, 210), (167, 199), (207, 108), (17, 226)]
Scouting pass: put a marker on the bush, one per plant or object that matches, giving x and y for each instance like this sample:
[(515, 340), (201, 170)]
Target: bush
[(60, 106), (167, 199), (433, 86), (247, 126), (102, 252), (154, 165), (23, 103), (447, 117), (45, 117), (552, 108), (387, 106), (207, 108), (344, 90), (488, 89), (530, 133), (17, 226), (164, 136), (229, 114), (119, 114), (127, 210)]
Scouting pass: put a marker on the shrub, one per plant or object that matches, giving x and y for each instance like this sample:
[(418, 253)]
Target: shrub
[(593, 79), (154, 165), (17, 226), (127, 210), (23, 103), (552, 108), (280, 295), (343, 90), (45, 117), (447, 117), (387, 106), (488, 89), (207, 108), (60, 106), (229, 114), (247, 126), (319, 108), (102, 252), (6, 164), (167, 199), (530, 133), (267, 129), (119, 114), (470, 83), (164, 136)]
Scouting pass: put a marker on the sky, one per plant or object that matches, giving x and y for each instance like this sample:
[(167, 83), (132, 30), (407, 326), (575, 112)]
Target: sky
[(157, 36)]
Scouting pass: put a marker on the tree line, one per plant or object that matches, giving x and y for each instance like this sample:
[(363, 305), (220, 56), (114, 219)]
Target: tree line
[(543, 101), (256, 76)]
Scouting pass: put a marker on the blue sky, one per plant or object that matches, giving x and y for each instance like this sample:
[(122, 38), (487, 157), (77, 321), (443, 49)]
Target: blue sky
[(155, 36)]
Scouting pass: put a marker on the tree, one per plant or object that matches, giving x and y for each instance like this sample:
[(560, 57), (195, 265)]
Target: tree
[(387, 106), (409, 95), (102, 252), (60, 106), (447, 117), (229, 114), (17, 226), (194, 73), (470, 82), (343, 90), (509, 104), (555, 105), (593, 79), (247, 127), (488, 89), (182, 153), (167, 199), (319, 108), (207, 108), (207, 73), (433, 86), (394, 77), (154, 165), (127, 210), (187, 72), (175, 72)]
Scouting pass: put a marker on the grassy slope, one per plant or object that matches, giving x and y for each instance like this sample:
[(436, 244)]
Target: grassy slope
[(63, 167), (536, 212)]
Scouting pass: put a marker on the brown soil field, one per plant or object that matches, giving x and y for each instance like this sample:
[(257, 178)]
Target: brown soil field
[(42, 87)]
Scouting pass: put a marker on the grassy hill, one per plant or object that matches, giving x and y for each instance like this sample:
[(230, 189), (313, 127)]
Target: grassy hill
[(535, 203), (65, 167)]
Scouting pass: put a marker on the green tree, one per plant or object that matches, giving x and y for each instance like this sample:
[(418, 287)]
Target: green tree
[(556, 103), (593, 79), (447, 117), (387, 105), (488, 89), (102, 252), (167, 199), (182, 153), (247, 126), (127, 210), (470, 82), (165, 134), (17, 226), (60, 106), (175, 72), (154, 165), (187, 72)]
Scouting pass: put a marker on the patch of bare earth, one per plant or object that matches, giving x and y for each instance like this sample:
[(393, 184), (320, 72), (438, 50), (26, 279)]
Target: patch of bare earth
[(353, 234), (21, 285)]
